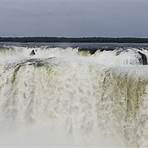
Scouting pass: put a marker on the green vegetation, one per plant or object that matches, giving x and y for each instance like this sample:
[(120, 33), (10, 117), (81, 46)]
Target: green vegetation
[(74, 40)]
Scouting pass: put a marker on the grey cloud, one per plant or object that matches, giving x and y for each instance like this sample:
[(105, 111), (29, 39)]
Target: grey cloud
[(73, 18)]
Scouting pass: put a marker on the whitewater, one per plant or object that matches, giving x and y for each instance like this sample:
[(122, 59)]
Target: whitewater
[(71, 98)]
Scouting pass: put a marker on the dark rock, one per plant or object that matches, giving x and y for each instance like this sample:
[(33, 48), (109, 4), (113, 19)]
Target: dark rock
[(143, 59), (32, 53)]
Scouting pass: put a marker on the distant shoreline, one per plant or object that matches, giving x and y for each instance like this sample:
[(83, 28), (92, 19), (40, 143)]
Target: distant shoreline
[(74, 40)]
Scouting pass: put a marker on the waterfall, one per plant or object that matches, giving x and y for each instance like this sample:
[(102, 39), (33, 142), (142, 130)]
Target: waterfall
[(63, 97)]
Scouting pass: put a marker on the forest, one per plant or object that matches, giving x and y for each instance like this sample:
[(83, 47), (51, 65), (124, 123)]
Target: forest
[(74, 40)]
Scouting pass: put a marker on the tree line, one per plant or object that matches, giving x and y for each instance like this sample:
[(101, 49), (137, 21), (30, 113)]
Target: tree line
[(74, 40)]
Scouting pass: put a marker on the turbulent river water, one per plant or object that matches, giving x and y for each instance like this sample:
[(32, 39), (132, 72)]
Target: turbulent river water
[(54, 97)]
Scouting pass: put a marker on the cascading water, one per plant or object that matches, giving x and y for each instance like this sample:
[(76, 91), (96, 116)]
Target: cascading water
[(65, 98)]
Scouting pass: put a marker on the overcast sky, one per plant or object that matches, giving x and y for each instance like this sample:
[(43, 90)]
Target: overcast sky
[(74, 18)]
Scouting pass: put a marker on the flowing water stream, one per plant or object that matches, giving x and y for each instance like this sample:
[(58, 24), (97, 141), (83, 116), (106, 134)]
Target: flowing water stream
[(70, 98)]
